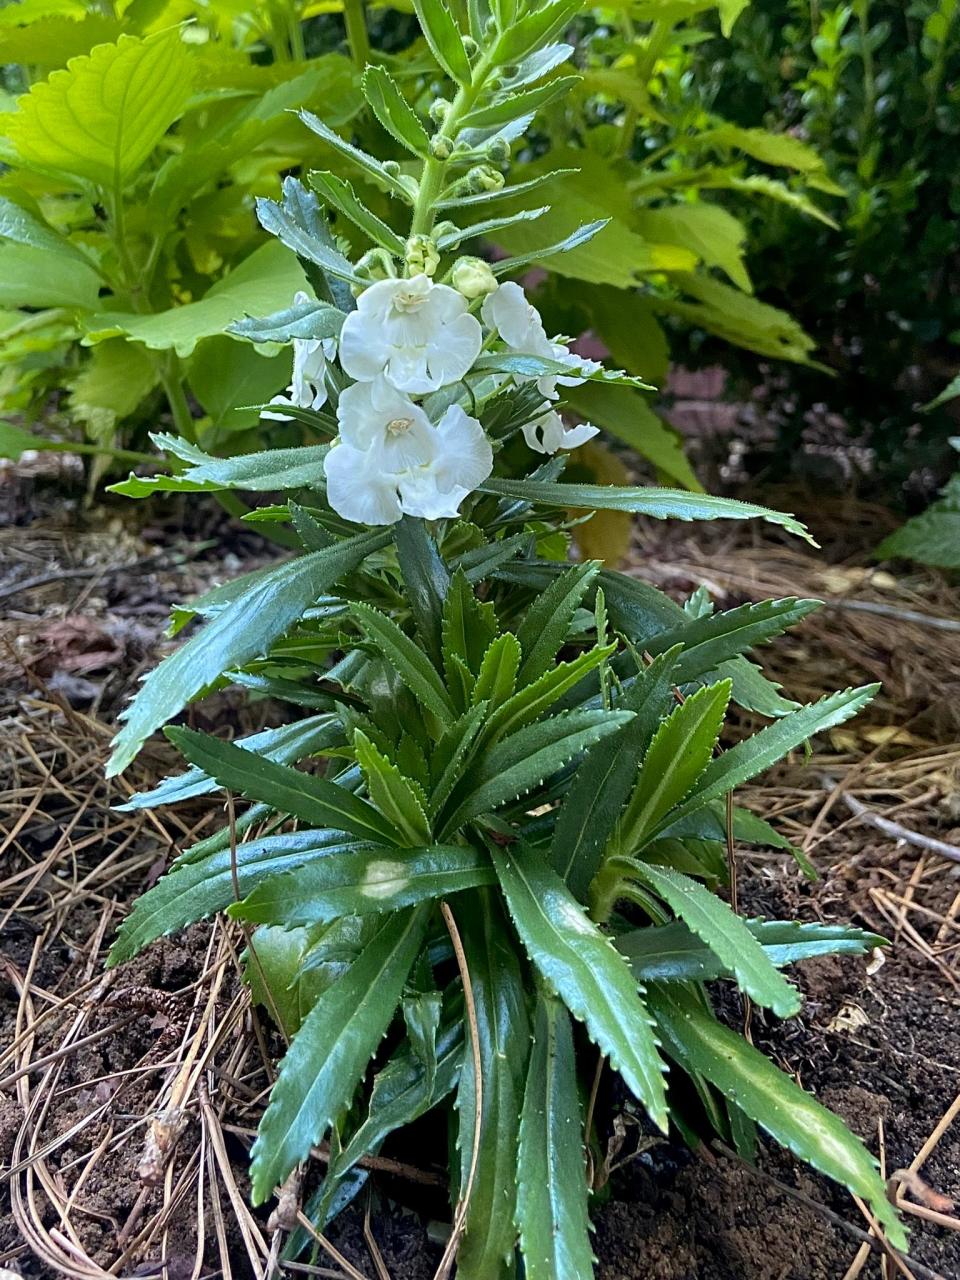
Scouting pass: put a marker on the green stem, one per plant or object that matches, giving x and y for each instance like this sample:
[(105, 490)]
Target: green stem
[(357, 38), (171, 379)]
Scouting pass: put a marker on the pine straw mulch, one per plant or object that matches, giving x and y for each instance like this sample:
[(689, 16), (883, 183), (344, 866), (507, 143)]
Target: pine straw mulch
[(128, 1099)]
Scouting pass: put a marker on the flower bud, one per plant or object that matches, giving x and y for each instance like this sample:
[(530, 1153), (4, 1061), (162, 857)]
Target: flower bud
[(470, 46), (441, 147), (472, 277), (392, 168), (376, 264), (421, 255), (439, 110), (497, 150), (484, 178)]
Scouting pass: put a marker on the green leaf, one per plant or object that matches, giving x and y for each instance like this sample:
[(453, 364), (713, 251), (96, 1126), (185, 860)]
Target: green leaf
[(454, 201), (717, 637), (546, 624), (244, 630), (624, 414), (535, 29), (583, 235), (301, 320), (662, 504), (230, 381), (329, 1054), (453, 239), (20, 226), (551, 1178), (789, 1114), (264, 281), (425, 578), (708, 231), (337, 193), (443, 37), (393, 111), (510, 105), (369, 881), (535, 699), (497, 678), (285, 221), (678, 754), (35, 277), (408, 660), (273, 469), (726, 935), (450, 756), (933, 537), (276, 978), (522, 761), (603, 781), (673, 952), (391, 792), (395, 184), (738, 318), (753, 755), (503, 1042), (581, 965), (102, 116), (197, 888), (781, 149)]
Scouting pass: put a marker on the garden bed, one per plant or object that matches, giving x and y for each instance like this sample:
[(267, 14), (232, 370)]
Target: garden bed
[(89, 1062)]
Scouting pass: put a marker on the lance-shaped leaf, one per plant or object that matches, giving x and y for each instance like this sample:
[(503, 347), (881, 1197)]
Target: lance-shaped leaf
[(330, 1052), (281, 221), (537, 698), (286, 790), (444, 39), (521, 762), (711, 640), (393, 111), (790, 1115), (662, 504), (407, 658), (266, 471), (425, 578), (365, 882), (546, 623), (455, 201), (196, 889), (452, 239), (674, 953), (510, 105), (397, 798), (372, 168), (244, 630), (726, 935), (310, 319), (534, 29), (572, 241), (582, 966), (337, 193), (751, 756), (451, 754), (497, 678), (551, 1178)]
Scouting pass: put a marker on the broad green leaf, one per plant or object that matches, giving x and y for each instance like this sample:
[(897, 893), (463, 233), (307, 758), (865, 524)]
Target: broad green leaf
[(443, 37), (726, 935), (284, 789), (244, 630), (114, 380), (31, 276), (338, 194), (551, 1178), (626, 415), (263, 282), (581, 965), (781, 149), (678, 754), (101, 116), (329, 1054), (368, 881), (522, 761), (789, 1114), (632, 334), (196, 889), (20, 226), (284, 745), (230, 382), (738, 318), (753, 755), (406, 657), (674, 953), (276, 978), (546, 624), (391, 792), (393, 111), (603, 781), (504, 1046), (662, 504), (933, 537), (715, 236)]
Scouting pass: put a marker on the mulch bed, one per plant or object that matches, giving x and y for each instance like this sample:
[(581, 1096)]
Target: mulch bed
[(128, 1101)]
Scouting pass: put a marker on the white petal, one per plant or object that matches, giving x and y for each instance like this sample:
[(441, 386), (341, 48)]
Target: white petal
[(279, 417), (420, 496), (363, 348), (549, 433), (453, 351), (515, 319), (464, 457), (358, 489)]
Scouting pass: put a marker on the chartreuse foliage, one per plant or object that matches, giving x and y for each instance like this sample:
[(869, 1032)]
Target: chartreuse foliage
[(493, 842)]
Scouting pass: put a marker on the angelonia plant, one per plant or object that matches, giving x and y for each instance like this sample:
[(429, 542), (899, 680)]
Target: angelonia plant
[(488, 852)]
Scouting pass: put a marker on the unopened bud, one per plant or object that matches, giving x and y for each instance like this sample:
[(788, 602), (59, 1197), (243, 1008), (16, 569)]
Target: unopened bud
[(441, 147), (376, 264), (497, 150), (484, 178), (421, 255), (472, 277), (439, 110), (392, 168)]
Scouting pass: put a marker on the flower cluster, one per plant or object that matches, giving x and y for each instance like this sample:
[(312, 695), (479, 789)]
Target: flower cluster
[(406, 339)]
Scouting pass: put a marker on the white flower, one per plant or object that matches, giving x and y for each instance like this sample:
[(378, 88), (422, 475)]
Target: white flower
[(550, 433), (391, 459), (417, 334), (519, 324), (308, 388)]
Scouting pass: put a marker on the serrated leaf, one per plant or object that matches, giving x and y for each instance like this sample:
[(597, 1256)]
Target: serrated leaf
[(581, 236), (369, 881), (268, 471), (726, 935), (450, 756), (581, 965), (662, 504), (789, 1114), (244, 630), (367, 164), (393, 111), (425, 578), (310, 319), (522, 761), (282, 221), (453, 239), (673, 953), (535, 29), (444, 39), (717, 637), (535, 699), (329, 1054), (408, 660), (101, 116), (512, 104), (497, 677), (551, 1177), (391, 792), (338, 194), (546, 623), (453, 201)]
